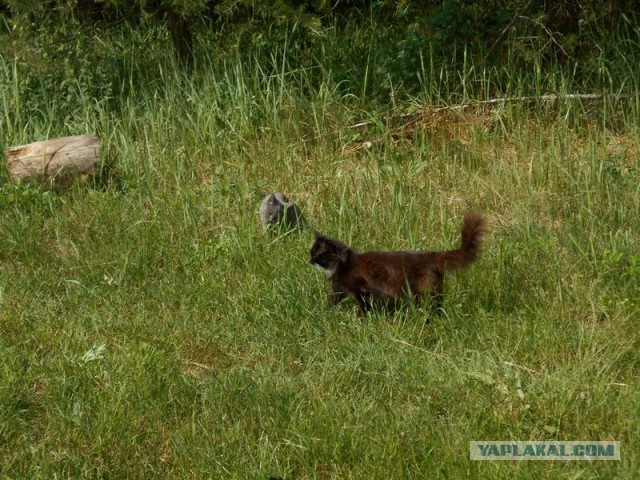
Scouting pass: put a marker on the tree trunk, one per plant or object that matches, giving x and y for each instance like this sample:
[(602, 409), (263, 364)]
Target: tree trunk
[(56, 162), (181, 37)]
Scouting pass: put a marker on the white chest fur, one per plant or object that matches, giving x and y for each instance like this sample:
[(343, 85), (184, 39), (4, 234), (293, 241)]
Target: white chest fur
[(329, 272)]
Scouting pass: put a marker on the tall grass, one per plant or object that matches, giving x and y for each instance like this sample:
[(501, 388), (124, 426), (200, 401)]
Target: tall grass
[(151, 329)]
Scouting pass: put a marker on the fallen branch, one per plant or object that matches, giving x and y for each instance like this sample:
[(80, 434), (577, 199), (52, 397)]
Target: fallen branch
[(495, 101), (405, 124)]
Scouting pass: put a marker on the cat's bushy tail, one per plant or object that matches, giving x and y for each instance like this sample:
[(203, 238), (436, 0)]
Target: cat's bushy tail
[(473, 229)]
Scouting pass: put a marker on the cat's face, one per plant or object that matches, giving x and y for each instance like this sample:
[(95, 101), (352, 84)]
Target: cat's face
[(328, 254), (272, 207)]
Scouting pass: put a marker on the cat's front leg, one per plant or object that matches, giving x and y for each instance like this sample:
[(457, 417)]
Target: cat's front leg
[(336, 295), (365, 302)]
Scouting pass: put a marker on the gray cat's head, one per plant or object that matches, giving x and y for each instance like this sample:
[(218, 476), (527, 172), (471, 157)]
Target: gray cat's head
[(277, 209), (273, 207)]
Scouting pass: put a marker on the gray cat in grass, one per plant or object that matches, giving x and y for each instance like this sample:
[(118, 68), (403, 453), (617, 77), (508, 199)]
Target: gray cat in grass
[(277, 210)]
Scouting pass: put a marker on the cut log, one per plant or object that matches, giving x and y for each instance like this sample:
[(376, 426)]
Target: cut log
[(56, 162)]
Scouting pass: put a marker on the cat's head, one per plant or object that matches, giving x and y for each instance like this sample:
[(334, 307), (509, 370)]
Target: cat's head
[(328, 254), (273, 207)]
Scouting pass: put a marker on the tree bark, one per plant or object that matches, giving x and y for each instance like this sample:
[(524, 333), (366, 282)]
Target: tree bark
[(182, 37), (56, 162)]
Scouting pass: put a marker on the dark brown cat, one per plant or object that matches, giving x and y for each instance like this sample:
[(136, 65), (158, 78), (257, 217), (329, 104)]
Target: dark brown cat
[(393, 276)]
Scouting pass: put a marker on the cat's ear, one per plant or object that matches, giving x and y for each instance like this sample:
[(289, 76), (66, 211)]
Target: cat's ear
[(318, 234)]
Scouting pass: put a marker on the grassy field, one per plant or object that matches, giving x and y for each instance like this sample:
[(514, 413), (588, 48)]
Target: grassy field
[(149, 327)]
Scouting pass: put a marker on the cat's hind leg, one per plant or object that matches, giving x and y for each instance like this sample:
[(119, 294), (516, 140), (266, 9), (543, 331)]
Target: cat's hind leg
[(437, 295)]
